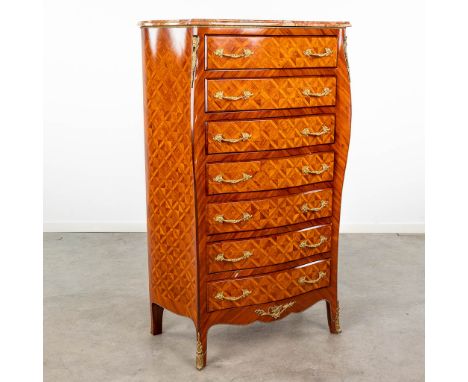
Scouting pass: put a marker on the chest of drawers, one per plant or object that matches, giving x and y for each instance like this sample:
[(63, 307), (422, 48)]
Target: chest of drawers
[(247, 127)]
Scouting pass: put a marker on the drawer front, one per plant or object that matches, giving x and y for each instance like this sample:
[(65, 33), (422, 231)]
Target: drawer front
[(270, 93), (270, 134), (269, 287), (257, 52), (270, 250), (269, 174), (270, 212)]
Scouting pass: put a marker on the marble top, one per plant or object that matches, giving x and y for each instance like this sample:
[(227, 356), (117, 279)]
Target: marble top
[(242, 23)]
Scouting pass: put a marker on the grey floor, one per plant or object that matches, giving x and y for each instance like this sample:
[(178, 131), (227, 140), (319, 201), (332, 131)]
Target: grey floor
[(96, 320)]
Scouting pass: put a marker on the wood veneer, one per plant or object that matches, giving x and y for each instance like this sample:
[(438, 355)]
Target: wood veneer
[(269, 212), (181, 76), (269, 93), (272, 286), (269, 174), (270, 134), (268, 250), (260, 52)]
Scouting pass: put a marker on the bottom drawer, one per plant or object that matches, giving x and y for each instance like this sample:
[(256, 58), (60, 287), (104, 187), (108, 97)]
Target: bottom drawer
[(269, 287)]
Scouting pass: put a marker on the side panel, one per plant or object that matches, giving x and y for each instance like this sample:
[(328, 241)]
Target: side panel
[(341, 147), (169, 171)]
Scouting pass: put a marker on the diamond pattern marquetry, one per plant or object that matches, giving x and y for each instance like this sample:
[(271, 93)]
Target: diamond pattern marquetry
[(271, 134), (271, 212), (269, 174), (269, 287), (270, 93), (271, 52), (268, 250), (170, 195)]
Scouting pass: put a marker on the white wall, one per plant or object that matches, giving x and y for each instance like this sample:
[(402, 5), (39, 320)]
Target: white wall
[(94, 162)]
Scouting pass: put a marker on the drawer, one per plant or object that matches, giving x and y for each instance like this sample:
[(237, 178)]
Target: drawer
[(274, 52), (270, 134), (269, 174), (269, 287), (271, 212), (269, 250), (270, 93)]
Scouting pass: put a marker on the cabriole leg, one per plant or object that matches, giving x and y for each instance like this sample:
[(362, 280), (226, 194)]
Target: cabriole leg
[(333, 315), (156, 319), (200, 357)]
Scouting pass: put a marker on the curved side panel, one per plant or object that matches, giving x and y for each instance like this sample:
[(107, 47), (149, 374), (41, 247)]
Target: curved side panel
[(341, 146), (169, 172)]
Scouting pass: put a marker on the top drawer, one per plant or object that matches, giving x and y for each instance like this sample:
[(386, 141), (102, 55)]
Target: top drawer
[(275, 52)]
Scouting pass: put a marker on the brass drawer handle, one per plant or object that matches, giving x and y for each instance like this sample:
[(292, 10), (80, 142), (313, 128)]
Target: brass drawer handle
[(219, 179), (307, 171), (308, 133), (244, 137), (305, 208), (303, 280), (305, 244), (221, 296), (323, 93), (245, 53), (275, 311), (245, 217), (246, 94), (246, 255), (328, 52)]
